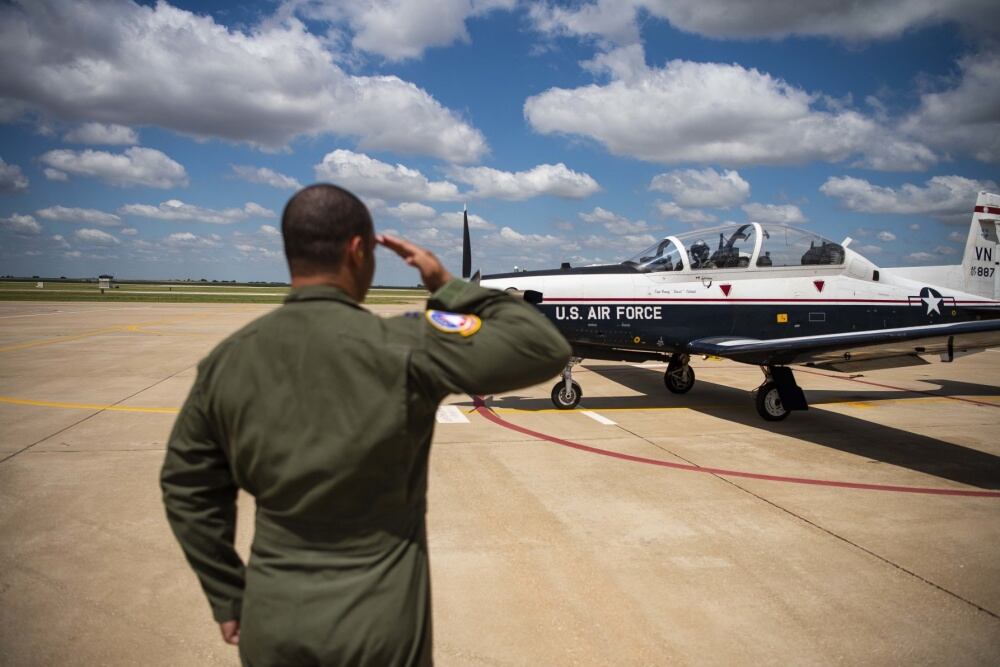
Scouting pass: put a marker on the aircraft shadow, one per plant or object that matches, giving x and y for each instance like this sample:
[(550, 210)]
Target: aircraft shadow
[(828, 429)]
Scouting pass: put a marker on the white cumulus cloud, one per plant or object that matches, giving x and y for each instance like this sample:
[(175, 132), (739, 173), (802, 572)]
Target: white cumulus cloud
[(101, 133), (617, 20), (364, 175), (454, 220), (966, 117), (95, 237), (85, 216), (266, 176), (781, 213), (128, 231), (11, 178), (669, 209), (401, 29), (717, 113), (412, 211), (698, 188), (948, 198), (176, 210), (886, 236), (187, 240), (136, 166), (545, 179), (614, 223), (511, 236), (131, 64), (22, 225)]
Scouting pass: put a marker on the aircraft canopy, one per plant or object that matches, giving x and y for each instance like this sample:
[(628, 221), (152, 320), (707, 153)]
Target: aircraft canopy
[(737, 247)]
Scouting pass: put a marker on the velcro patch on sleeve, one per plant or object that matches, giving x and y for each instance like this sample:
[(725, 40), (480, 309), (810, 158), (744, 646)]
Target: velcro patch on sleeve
[(454, 323)]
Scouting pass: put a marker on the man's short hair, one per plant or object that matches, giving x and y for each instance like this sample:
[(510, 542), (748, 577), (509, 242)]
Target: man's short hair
[(316, 225)]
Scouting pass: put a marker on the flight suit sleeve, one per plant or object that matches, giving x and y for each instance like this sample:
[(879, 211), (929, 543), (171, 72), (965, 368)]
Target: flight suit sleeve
[(200, 498), (514, 346)]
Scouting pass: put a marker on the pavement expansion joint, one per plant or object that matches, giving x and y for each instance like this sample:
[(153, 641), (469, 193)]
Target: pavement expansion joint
[(823, 529), (92, 415), (866, 550)]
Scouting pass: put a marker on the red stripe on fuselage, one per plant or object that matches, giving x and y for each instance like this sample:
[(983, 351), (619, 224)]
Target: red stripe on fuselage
[(616, 299), (987, 209)]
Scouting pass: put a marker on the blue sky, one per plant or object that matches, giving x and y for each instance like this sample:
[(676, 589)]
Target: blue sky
[(159, 140)]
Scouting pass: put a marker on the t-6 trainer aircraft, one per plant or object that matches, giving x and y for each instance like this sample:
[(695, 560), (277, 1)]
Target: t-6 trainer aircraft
[(770, 295)]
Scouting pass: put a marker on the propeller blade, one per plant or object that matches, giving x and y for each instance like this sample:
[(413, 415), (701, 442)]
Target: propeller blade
[(466, 246)]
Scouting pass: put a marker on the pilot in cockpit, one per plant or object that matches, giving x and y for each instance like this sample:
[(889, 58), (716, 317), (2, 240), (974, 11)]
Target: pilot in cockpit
[(699, 252)]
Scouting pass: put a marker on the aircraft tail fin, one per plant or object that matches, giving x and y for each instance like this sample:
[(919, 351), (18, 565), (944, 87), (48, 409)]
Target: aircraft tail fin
[(466, 246), (981, 262)]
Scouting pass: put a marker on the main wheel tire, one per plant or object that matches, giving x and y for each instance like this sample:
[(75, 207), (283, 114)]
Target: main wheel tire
[(679, 380), (566, 399), (769, 403)]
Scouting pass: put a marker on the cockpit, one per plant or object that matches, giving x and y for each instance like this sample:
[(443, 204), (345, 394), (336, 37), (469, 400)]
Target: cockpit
[(738, 247)]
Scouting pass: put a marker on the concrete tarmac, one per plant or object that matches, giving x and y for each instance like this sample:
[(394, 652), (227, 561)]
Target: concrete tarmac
[(643, 528)]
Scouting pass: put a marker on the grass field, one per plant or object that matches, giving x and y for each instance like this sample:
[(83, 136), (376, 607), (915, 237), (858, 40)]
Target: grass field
[(177, 293)]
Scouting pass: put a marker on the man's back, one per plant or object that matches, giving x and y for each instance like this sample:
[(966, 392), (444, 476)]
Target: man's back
[(313, 401), (325, 412)]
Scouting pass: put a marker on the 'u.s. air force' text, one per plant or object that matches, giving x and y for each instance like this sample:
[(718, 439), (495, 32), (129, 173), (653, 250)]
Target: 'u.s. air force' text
[(609, 312)]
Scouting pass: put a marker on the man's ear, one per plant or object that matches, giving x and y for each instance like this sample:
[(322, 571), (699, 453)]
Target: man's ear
[(356, 249)]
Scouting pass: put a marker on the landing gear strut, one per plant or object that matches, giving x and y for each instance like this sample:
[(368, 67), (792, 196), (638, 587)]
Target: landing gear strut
[(779, 394), (679, 376), (566, 393)]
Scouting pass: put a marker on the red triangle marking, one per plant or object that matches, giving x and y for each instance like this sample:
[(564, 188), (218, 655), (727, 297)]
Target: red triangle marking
[(819, 284), (726, 288)]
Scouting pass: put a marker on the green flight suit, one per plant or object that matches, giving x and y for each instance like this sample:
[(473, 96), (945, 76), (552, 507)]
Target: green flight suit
[(324, 412)]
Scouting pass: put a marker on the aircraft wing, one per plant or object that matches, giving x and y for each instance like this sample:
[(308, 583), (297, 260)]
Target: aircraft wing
[(884, 348)]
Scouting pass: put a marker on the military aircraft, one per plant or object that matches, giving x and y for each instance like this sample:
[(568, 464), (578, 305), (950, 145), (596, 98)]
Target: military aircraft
[(771, 295)]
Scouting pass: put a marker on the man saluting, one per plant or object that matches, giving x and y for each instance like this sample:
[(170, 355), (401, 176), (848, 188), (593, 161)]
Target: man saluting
[(324, 413)]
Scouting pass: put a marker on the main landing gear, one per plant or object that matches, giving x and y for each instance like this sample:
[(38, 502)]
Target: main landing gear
[(779, 394), (679, 376)]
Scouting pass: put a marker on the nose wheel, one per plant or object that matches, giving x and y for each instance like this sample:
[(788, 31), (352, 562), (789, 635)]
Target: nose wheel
[(566, 397), (566, 393)]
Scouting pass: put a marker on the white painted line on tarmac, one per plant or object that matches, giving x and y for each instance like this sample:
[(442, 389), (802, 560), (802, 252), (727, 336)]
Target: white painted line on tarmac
[(601, 419), (449, 414)]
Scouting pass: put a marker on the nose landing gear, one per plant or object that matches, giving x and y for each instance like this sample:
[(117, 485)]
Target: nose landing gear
[(566, 393)]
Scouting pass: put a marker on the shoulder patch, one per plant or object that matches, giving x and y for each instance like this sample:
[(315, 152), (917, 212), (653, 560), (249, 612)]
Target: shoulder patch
[(464, 325)]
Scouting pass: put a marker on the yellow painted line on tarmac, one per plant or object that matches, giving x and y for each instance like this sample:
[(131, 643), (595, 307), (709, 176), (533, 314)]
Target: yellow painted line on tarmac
[(87, 406), (173, 411), (128, 328)]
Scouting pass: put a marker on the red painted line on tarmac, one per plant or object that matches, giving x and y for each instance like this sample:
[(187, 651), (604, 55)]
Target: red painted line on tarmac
[(889, 386), (489, 415)]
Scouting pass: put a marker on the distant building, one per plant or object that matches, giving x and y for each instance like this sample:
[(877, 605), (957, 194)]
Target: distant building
[(104, 281)]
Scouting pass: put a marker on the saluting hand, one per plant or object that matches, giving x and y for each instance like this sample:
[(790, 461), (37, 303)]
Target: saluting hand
[(432, 272)]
